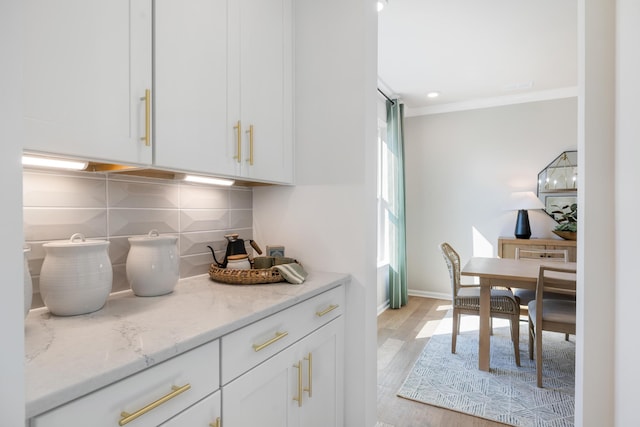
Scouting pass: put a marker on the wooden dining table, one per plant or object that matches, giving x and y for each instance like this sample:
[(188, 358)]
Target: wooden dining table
[(517, 273)]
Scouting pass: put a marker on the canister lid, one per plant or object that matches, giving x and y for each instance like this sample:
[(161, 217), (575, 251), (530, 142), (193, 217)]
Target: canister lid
[(152, 236), (76, 240)]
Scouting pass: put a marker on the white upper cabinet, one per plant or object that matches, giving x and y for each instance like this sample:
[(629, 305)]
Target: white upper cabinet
[(223, 87), (191, 77), (87, 66), (261, 88)]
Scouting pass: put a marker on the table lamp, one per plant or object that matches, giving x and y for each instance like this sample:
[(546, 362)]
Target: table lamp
[(521, 201)]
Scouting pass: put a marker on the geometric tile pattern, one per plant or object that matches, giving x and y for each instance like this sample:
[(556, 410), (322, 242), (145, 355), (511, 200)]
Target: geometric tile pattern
[(507, 393), (115, 207)]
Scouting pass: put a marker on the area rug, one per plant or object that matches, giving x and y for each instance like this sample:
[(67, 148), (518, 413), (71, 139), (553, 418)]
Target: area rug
[(507, 393)]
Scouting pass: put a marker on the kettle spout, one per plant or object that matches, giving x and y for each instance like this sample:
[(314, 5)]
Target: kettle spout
[(221, 265)]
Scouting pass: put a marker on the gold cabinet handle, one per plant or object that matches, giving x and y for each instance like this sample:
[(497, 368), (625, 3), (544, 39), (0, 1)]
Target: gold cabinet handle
[(238, 128), (299, 398), (279, 336), (309, 374), (250, 132), (147, 117), (326, 310), (216, 424), (127, 417)]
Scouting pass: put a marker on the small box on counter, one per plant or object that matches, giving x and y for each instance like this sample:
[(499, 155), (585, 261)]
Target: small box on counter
[(275, 251)]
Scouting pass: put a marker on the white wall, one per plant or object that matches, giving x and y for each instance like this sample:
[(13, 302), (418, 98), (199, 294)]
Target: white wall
[(11, 303), (328, 220), (627, 206), (596, 243), (461, 168)]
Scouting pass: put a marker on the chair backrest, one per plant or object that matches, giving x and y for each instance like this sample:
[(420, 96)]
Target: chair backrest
[(561, 255), (555, 279), (453, 264)]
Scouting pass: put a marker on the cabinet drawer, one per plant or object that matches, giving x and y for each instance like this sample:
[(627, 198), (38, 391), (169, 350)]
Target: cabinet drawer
[(204, 413), (253, 344), (196, 372)]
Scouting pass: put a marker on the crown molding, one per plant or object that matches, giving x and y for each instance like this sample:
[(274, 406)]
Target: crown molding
[(567, 92)]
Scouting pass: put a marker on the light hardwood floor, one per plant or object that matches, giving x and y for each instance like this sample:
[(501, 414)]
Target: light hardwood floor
[(402, 334)]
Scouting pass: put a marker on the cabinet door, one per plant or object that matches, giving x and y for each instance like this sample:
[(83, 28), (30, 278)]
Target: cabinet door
[(262, 52), (264, 395), (190, 87), (322, 355), (87, 64), (302, 386), (204, 413)]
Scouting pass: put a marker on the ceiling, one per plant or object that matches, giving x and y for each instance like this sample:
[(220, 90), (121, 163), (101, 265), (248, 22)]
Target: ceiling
[(476, 53)]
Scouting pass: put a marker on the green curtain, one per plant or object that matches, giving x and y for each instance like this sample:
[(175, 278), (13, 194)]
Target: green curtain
[(398, 251)]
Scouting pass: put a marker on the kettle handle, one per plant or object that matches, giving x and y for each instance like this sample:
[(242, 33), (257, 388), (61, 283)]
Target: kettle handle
[(255, 246)]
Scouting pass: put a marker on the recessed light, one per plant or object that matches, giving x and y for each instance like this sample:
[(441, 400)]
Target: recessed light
[(382, 4), (433, 94)]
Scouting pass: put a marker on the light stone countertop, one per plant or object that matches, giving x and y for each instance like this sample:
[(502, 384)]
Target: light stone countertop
[(68, 357)]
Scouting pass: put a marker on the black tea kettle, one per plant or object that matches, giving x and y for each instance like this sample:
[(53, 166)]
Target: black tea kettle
[(235, 246)]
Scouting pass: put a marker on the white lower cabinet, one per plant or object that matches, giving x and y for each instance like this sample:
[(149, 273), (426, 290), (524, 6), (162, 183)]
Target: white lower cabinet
[(148, 398), (301, 385), (284, 370)]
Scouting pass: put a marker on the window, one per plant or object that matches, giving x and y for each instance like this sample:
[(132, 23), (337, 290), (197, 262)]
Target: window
[(385, 174)]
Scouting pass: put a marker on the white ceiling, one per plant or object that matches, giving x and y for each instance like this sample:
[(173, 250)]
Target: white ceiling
[(476, 52)]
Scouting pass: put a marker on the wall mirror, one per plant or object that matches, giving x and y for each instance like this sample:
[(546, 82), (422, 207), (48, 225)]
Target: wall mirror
[(558, 183)]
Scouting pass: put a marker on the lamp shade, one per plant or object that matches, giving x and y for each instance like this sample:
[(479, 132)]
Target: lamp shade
[(524, 200)]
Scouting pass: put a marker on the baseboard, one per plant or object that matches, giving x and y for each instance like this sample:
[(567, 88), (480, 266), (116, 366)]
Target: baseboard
[(382, 307), (436, 295)]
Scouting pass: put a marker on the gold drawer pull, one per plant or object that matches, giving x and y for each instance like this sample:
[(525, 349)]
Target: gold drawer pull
[(326, 310), (310, 374), (299, 398), (250, 132), (279, 336), (127, 417), (216, 424), (238, 128), (147, 117)]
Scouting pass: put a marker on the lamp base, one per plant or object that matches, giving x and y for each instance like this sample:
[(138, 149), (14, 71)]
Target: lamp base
[(523, 229)]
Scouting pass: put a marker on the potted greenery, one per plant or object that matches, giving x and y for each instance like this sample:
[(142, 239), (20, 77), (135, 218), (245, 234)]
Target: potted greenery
[(567, 217)]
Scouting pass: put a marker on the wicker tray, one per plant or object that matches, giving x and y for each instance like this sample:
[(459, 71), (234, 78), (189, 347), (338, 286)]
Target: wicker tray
[(245, 277)]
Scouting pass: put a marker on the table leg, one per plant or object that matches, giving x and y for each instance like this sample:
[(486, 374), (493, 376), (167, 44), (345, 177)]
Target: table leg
[(484, 346)]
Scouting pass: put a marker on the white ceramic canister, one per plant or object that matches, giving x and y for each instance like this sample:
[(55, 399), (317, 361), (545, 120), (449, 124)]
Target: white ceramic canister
[(28, 283), (76, 276), (153, 264)]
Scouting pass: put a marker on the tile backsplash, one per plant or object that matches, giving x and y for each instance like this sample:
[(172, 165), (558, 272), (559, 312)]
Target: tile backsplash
[(115, 207)]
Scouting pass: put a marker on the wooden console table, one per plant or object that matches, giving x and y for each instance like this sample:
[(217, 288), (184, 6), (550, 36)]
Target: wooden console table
[(507, 246)]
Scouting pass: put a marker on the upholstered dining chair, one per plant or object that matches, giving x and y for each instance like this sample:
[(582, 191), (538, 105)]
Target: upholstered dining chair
[(466, 300), (547, 314), (524, 296)]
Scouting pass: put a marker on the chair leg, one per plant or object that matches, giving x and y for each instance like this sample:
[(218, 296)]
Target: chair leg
[(515, 337), (455, 330), (531, 336), (566, 337), (539, 357)]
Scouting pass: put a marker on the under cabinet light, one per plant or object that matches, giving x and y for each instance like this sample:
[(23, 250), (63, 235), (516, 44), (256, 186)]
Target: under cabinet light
[(208, 180), (55, 163)]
